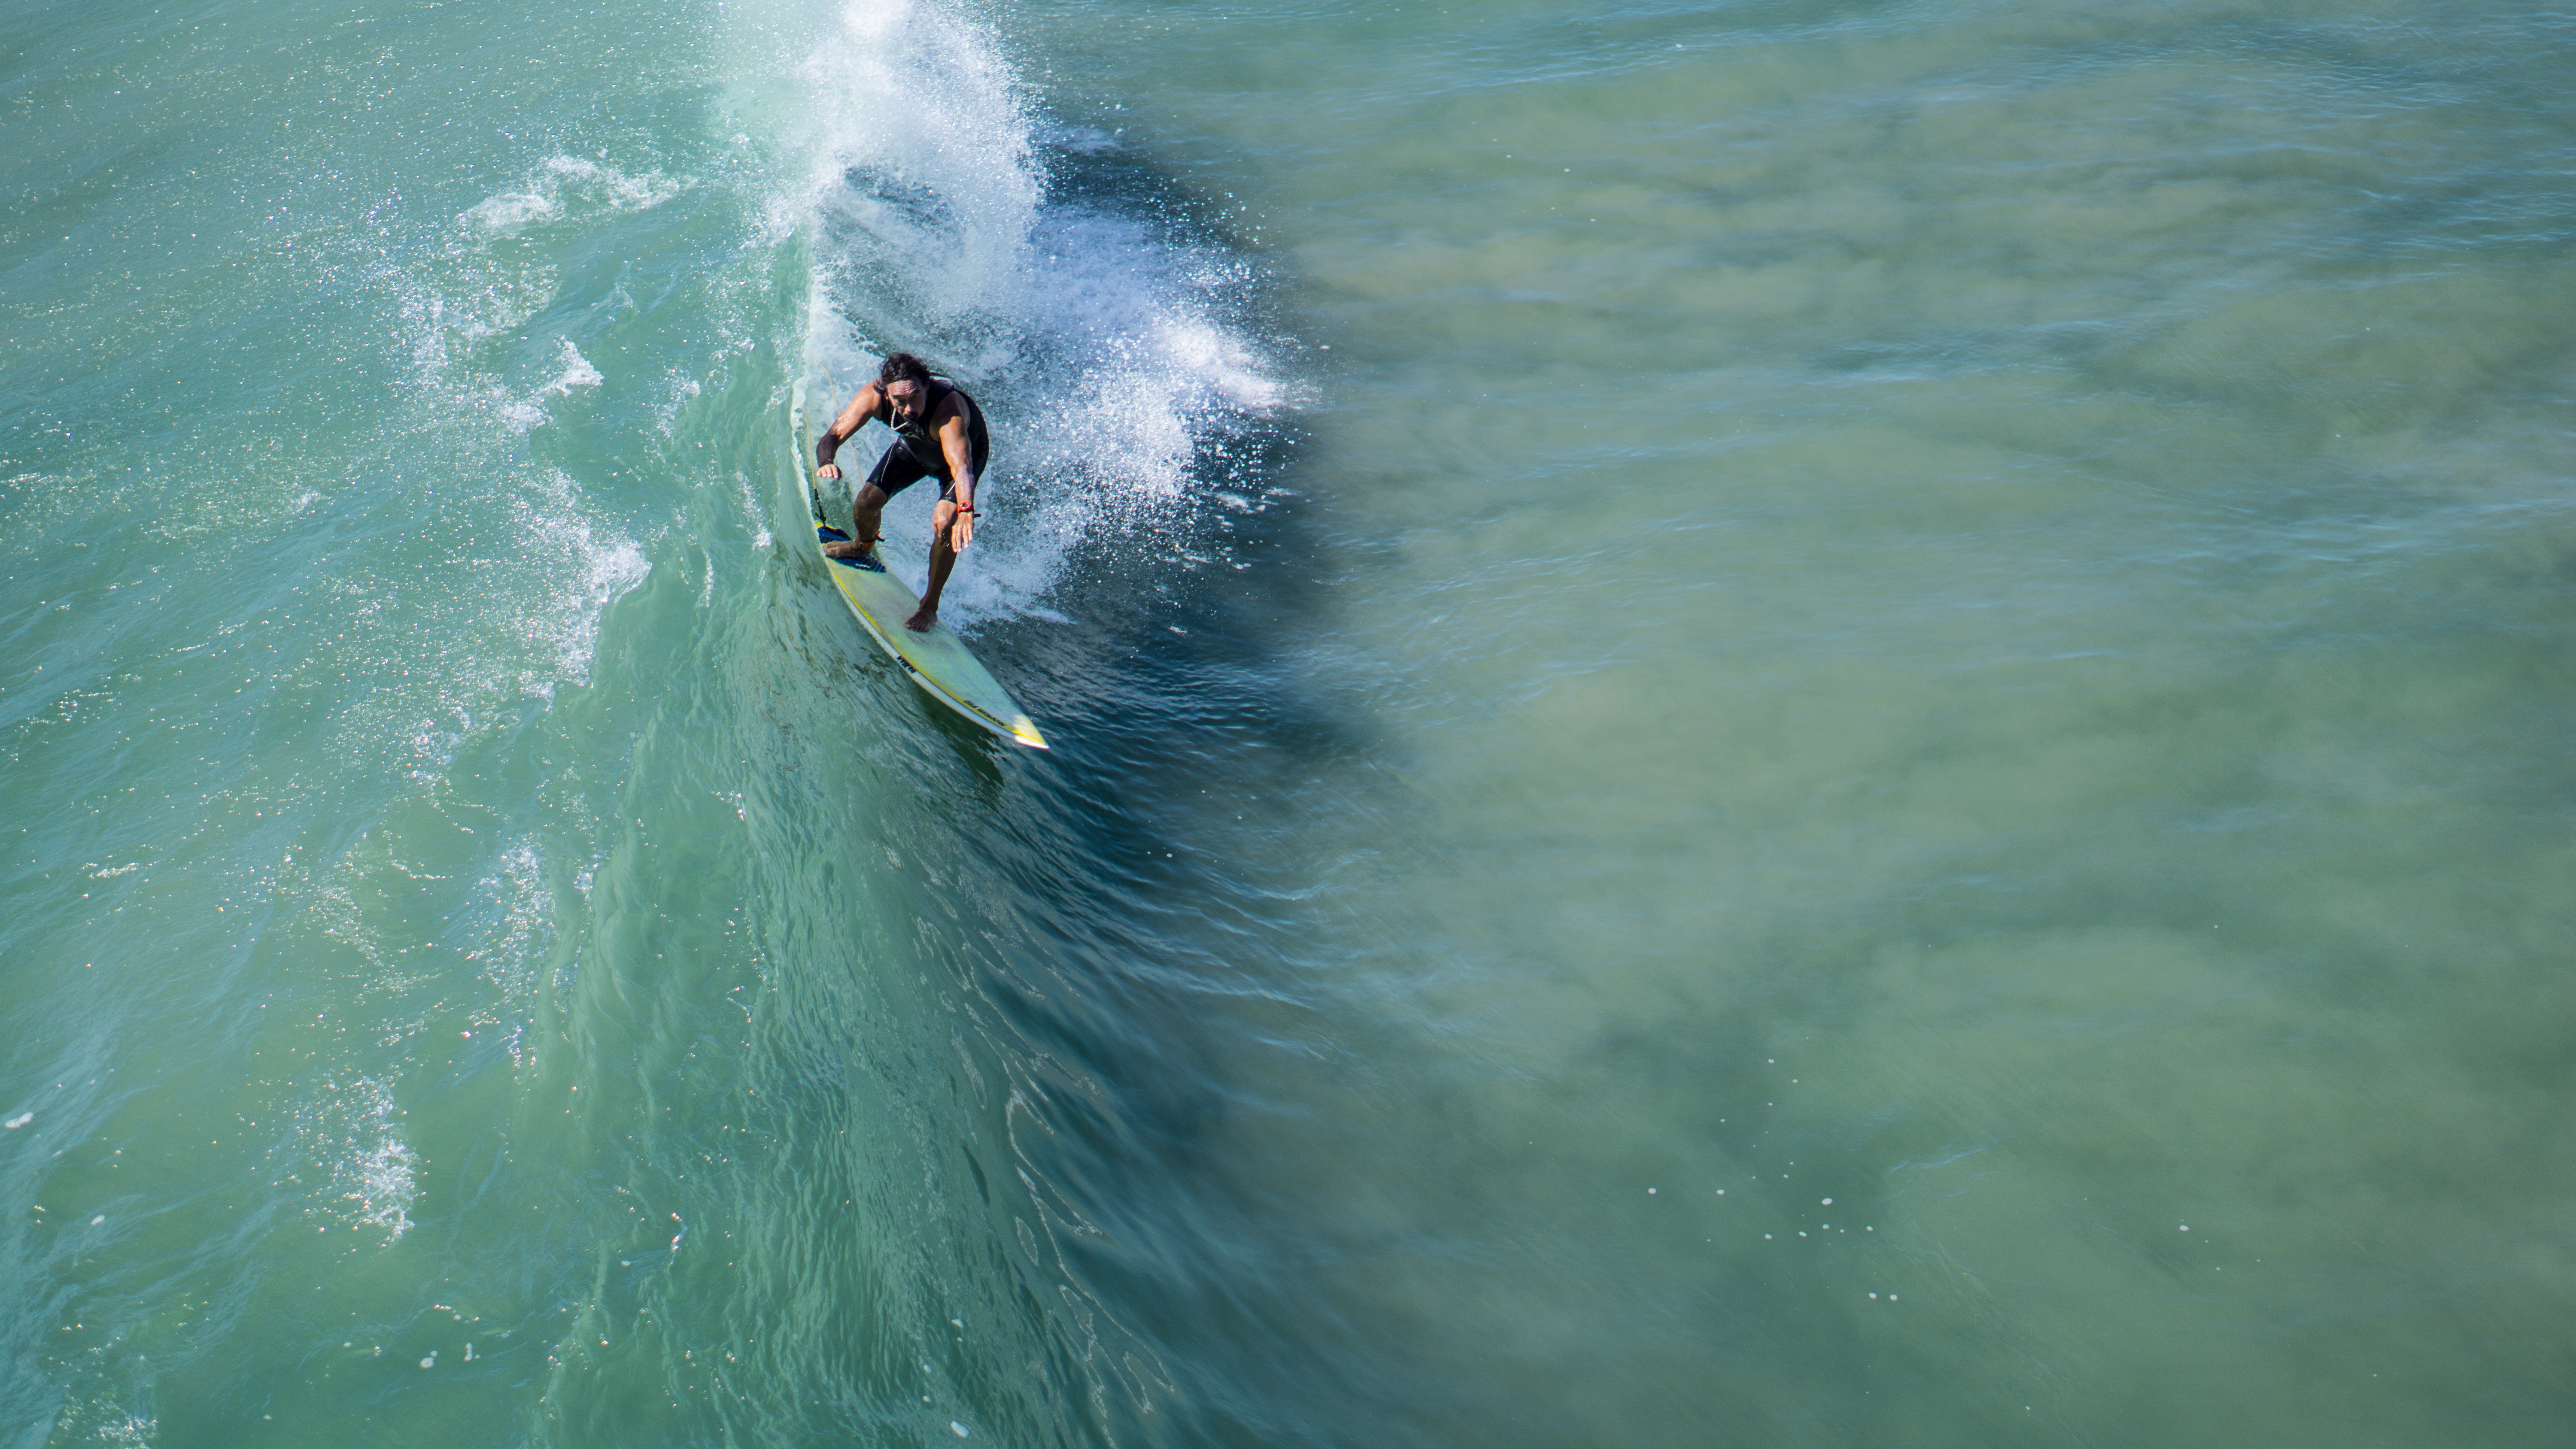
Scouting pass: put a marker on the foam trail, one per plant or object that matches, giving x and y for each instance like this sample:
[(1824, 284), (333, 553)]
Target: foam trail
[(1103, 345)]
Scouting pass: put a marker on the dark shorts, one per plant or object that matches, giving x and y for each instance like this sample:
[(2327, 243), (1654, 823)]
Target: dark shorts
[(897, 470)]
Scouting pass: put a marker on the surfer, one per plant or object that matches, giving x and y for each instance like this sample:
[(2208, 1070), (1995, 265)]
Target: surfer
[(939, 433)]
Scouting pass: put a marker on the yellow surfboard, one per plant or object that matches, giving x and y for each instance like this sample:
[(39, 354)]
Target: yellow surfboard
[(936, 658)]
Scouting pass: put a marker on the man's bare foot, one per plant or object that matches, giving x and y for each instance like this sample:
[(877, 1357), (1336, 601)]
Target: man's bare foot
[(921, 620), (848, 548)]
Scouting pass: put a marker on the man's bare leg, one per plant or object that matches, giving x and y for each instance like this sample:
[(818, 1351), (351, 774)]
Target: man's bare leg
[(865, 515), (942, 559)]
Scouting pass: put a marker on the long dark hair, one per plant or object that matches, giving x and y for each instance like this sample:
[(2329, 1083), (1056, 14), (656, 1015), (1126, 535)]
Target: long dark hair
[(903, 367)]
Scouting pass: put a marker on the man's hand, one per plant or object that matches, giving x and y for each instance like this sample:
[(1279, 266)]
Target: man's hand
[(961, 531), (829, 472)]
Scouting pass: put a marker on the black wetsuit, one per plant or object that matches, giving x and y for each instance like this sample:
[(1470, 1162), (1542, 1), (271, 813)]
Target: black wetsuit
[(916, 453)]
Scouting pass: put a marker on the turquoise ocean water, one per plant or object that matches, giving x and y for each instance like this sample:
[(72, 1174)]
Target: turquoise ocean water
[(1781, 723)]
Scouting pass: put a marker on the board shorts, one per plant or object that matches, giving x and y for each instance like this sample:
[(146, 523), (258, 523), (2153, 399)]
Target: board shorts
[(897, 470)]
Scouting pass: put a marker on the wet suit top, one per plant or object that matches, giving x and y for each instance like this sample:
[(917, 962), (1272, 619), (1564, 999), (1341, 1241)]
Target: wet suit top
[(920, 437)]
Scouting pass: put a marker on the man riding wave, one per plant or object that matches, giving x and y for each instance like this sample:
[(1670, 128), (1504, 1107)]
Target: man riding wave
[(939, 433)]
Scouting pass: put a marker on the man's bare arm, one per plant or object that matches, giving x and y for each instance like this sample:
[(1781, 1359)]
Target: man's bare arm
[(852, 418), (960, 452)]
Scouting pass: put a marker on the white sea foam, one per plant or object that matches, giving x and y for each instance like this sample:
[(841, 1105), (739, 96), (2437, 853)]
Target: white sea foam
[(915, 99), (529, 621), (508, 213), (566, 184), (469, 293), (1100, 344), (590, 568), (371, 1177), (514, 944), (577, 373), (748, 497), (527, 414)]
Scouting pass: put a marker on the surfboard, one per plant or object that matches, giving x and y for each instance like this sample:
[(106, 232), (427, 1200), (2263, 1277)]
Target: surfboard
[(936, 658)]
